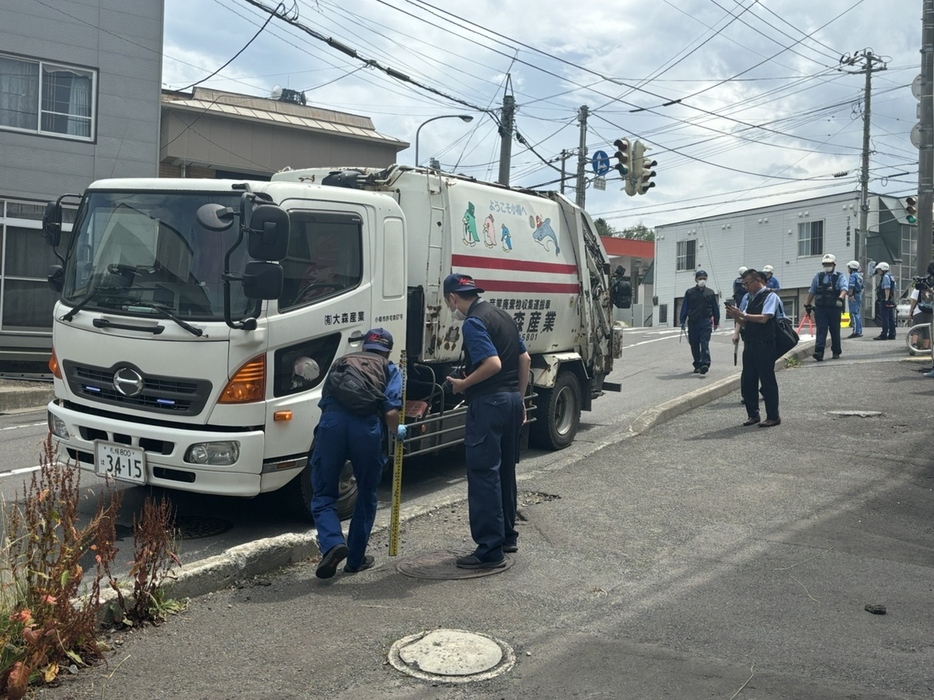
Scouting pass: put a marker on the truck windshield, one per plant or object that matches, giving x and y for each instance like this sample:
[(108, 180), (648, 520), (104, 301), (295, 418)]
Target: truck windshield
[(151, 248)]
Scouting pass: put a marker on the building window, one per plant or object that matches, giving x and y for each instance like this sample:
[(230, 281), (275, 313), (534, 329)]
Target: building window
[(47, 98), (687, 255), (810, 238)]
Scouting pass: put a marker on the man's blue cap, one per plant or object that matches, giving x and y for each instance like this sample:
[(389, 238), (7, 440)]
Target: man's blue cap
[(700, 273), (378, 339), (457, 282)]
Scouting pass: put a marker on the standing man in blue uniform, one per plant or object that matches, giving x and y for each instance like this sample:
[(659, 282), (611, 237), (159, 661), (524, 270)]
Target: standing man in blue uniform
[(887, 300), (343, 435), (827, 291), (497, 368), (755, 321), (700, 310), (771, 281), (855, 290)]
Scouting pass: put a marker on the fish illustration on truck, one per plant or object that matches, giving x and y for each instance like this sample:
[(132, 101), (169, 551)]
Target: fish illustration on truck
[(543, 232)]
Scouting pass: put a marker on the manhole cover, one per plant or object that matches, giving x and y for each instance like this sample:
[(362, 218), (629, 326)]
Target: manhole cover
[(191, 527), (451, 656), (855, 414), (440, 566)]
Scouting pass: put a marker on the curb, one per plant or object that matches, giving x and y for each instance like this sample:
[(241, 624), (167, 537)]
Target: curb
[(14, 396)]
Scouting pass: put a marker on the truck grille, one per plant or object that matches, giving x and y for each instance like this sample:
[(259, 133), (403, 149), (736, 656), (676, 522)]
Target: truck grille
[(162, 395)]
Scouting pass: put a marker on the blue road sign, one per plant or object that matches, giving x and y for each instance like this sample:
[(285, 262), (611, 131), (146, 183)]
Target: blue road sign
[(601, 162)]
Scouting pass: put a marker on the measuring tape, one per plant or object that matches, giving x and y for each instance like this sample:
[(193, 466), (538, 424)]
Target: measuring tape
[(397, 474)]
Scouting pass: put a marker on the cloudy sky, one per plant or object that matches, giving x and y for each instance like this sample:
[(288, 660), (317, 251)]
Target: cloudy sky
[(744, 103)]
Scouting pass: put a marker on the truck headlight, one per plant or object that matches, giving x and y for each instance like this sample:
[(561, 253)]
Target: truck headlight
[(57, 427), (219, 454)]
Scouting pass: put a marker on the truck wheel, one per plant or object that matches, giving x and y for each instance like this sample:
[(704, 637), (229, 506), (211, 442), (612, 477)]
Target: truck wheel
[(299, 493), (557, 414)]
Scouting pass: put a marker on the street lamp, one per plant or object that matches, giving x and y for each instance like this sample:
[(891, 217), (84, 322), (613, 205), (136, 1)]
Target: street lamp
[(462, 117)]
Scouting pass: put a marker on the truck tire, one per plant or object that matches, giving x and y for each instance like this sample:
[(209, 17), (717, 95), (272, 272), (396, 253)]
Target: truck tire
[(298, 493), (557, 414)]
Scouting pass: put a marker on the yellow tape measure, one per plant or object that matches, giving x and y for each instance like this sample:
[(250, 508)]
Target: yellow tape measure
[(397, 474)]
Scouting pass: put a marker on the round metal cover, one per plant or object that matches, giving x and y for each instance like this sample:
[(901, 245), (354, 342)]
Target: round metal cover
[(440, 566), (451, 656), (192, 527)]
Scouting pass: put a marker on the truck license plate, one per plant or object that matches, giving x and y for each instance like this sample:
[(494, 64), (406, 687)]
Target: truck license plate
[(121, 462)]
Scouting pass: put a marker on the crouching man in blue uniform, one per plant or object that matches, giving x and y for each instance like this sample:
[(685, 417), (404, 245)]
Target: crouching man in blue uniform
[(342, 435), (497, 375)]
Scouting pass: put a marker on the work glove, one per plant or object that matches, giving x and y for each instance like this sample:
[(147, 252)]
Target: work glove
[(808, 309), (401, 431), (682, 327), (839, 303)]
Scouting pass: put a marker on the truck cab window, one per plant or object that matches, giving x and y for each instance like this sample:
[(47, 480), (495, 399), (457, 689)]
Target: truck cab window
[(325, 258)]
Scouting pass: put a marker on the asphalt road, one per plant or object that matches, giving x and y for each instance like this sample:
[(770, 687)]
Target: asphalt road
[(697, 560)]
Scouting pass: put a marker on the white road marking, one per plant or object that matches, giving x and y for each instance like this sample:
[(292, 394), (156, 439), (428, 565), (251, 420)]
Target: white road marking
[(21, 470), (27, 425)]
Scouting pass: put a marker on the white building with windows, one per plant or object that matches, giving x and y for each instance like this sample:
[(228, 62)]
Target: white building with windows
[(792, 238), (79, 100)]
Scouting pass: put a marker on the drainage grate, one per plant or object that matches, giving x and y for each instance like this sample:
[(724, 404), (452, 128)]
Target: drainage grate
[(192, 527)]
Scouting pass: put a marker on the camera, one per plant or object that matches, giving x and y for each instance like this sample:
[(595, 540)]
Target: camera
[(923, 282)]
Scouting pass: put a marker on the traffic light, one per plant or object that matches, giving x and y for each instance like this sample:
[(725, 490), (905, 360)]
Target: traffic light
[(646, 173), (623, 155), (911, 209)]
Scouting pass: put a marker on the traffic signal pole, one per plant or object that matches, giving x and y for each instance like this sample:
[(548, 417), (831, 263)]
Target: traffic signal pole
[(926, 149)]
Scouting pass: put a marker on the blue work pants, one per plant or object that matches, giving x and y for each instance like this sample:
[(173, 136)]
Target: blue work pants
[(856, 313), (492, 445), (827, 318), (699, 339), (342, 436)]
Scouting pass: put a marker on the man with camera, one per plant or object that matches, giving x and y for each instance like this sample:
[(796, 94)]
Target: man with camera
[(921, 310)]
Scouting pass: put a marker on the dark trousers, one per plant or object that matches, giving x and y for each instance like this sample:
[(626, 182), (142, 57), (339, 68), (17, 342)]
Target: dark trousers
[(827, 318), (492, 445), (340, 436), (759, 370), (699, 339), (887, 312)]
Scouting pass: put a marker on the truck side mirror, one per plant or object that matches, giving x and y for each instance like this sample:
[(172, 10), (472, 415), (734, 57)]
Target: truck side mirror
[(262, 280), (269, 233), (52, 223), (56, 278), (215, 217)]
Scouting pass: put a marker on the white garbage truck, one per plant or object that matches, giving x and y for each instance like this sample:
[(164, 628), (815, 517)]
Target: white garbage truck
[(198, 319)]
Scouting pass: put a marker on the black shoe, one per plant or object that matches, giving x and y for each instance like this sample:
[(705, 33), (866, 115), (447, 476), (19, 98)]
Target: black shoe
[(511, 548), (472, 562), (330, 561), (880, 337), (770, 423), (752, 420), (703, 369), (854, 335), (836, 356), (819, 358), (697, 370), (367, 563), (891, 337)]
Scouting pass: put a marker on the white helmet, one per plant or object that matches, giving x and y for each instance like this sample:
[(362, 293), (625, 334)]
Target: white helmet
[(768, 268), (742, 270), (829, 258), (853, 265), (884, 266)]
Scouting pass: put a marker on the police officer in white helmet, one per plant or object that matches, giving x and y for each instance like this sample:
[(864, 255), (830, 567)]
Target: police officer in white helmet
[(827, 291), (855, 293), (771, 281)]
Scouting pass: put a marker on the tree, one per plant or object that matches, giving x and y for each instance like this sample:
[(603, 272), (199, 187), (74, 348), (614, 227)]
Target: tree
[(639, 232), (604, 229)]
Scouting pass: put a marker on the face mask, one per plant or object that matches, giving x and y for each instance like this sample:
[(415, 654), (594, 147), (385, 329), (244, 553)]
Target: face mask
[(701, 283), (828, 268), (458, 315)]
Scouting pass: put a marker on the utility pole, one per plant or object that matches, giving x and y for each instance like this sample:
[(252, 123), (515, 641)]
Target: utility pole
[(505, 131), (868, 62), (564, 157), (926, 149), (582, 157)]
